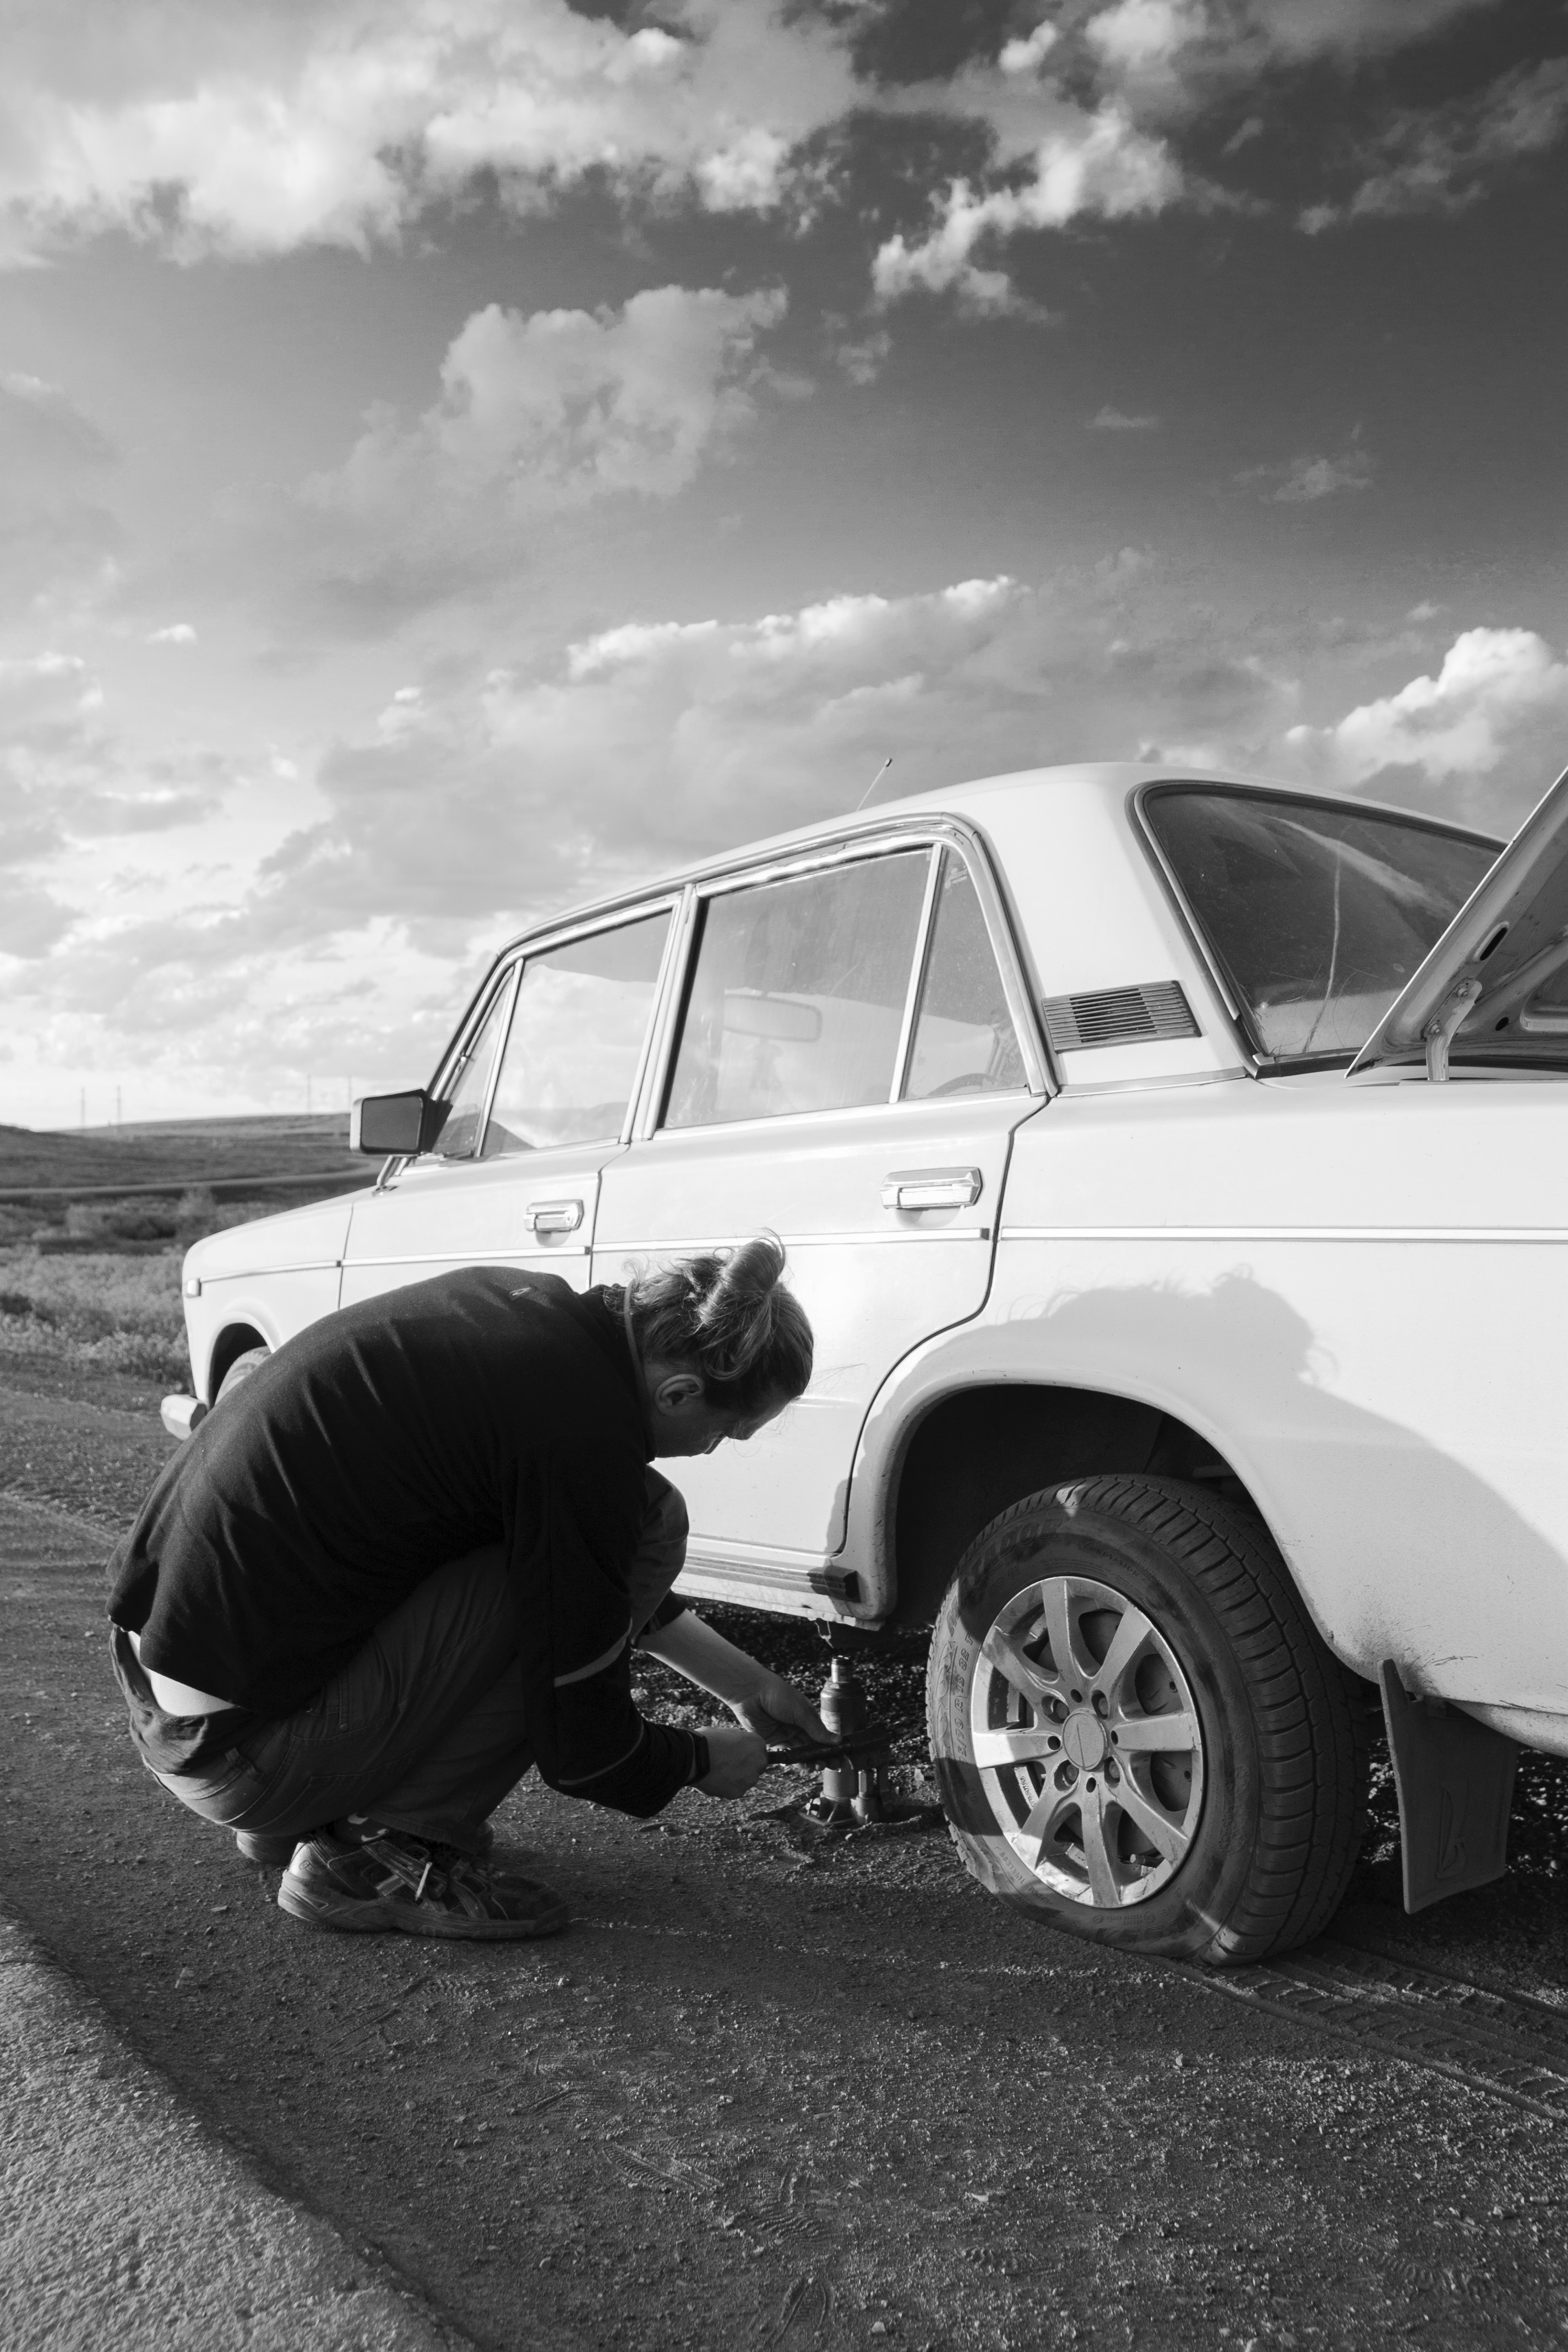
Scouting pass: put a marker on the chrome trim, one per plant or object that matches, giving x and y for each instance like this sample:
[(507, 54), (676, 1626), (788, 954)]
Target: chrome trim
[(1196, 939), (552, 1216), (512, 982), (653, 1078), (670, 969), (1007, 945), (1222, 787), (951, 1188), (1161, 1078), (725, 1567), (917, 981), (468, 1257), (263, 1273), (611, 915), (1487, 1234), (851, 1240), (879, 838)]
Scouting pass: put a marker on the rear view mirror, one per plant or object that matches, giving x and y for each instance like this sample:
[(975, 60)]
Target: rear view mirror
[(788, 1020), (397, 1126)]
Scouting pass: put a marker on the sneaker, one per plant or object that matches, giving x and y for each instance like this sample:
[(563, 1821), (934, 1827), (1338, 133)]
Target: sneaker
[(395, 1881), (262, 1845)]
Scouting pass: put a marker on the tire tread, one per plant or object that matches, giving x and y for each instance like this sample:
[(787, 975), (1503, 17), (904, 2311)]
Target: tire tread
[(1309, 1720)]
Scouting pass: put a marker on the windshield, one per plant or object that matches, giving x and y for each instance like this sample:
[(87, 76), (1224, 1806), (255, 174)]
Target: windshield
[(1316, 915)]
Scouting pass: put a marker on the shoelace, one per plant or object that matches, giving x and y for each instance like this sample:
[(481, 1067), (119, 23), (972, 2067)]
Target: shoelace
[(448, 1865), (404, 1866)]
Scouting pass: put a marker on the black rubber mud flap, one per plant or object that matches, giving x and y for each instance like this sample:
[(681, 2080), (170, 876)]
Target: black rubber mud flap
[(1454, 1778)]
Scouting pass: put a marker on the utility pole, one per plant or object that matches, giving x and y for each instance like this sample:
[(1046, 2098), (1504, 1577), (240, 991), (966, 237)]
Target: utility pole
[(82, 1111)]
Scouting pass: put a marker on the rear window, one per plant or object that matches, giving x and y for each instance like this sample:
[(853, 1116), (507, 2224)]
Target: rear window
[(1316, 915)]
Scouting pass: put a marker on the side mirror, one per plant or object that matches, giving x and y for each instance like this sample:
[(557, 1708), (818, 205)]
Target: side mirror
[(397, 1126)]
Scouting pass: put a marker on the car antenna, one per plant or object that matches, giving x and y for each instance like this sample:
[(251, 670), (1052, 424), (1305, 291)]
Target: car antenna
[(873, 784)]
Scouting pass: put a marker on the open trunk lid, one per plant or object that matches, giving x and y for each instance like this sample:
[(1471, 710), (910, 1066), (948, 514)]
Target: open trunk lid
[(1494, 990)]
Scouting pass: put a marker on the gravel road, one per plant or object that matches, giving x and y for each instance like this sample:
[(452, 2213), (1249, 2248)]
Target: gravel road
[(781, 2090)]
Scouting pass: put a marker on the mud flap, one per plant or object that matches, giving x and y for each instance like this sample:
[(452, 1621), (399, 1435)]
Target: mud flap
[(1455, 1779)]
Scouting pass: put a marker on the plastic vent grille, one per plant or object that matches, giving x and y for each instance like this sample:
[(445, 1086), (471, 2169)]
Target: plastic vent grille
[(1119, 1016)]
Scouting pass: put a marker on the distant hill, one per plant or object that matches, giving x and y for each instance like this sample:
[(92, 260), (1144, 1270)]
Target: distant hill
[(181, 1150)]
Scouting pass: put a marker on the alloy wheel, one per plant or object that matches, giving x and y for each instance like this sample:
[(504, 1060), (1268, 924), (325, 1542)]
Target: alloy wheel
[(1088, 1742)]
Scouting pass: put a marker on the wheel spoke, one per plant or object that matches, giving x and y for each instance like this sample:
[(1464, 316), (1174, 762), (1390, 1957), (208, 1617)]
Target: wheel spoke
[(1156, 1825), (1154, 1734), (1071, 1667), (1042, 1821), (1103, 1879), (1015, 1668), (995, 1749), (1128, 1639)]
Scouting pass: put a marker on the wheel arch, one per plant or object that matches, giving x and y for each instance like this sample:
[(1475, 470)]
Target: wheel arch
[(974, 1448), (232, 1340)]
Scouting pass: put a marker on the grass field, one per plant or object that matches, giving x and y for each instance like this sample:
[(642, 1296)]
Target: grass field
[(95, 1281), (175, 1150), (121, 1314)]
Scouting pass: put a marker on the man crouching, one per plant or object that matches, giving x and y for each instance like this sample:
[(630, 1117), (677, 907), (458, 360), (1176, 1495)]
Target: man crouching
[(409, 1556)]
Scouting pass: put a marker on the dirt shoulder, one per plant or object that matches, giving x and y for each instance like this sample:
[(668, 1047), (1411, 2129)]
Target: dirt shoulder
[(124, 2222), (776, 2089)]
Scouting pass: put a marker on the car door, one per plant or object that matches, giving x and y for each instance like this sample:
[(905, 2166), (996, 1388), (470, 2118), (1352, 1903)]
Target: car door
[(845, 1068), (542, 1086)]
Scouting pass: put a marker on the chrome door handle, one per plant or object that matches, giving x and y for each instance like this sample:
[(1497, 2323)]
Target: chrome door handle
[(932, 1188), (552, 1216)]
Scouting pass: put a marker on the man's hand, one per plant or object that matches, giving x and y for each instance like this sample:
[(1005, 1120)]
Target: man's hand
[(776, 1709), (736, 1762)]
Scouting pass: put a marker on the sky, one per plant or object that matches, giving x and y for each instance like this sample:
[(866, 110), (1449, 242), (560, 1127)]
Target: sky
[(459, 455)]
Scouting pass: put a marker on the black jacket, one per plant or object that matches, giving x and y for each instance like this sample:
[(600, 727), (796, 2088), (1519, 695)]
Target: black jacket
[(485, 1406)]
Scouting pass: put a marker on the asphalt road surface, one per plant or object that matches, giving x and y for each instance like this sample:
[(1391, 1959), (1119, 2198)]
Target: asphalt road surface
[(770, 2090)]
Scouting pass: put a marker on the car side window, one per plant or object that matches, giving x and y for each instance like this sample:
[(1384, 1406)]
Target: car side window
[(466, 1088), (576, 1038), (798, 996), (965, 1041)]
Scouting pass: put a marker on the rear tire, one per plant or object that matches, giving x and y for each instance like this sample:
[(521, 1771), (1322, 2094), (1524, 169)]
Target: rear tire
[(1187, 1777)]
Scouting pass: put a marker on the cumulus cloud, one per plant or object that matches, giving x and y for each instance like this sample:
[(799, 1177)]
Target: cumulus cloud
[(1484, 737), (537, 416), (566, 405), (1444, 159), (178, 633), (659, 741), (1136, 36), (1301, 481), (253, 127), (1118, 420), (1026, 54), (1300, 30), (473, 804), (1099, 165)]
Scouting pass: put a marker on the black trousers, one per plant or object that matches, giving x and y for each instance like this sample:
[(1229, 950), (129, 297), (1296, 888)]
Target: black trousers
[(425, 1729)]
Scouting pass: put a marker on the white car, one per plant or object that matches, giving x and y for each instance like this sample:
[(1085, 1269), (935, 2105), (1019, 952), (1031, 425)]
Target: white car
[(1171, 1168)]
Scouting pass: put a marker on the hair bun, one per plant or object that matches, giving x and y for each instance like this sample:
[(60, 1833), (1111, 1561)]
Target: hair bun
[(754, 1269), (727, 1315)]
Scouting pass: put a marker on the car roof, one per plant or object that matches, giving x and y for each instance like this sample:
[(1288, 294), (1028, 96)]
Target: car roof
[(1107, 781)]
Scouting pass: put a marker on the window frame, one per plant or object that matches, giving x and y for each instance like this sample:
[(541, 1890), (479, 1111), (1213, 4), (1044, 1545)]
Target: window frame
[(457, 1062), (505, 974), (933, 835), (1257, 1060)]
